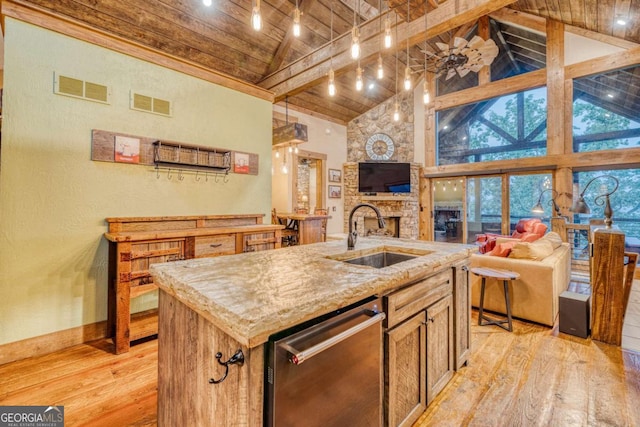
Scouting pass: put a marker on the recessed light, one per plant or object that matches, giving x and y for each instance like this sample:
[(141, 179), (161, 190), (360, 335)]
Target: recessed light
[(446, 127), (207, 2), (371, 86), (621, 21), (609, 95)]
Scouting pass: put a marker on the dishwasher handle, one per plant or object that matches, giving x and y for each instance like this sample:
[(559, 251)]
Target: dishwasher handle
[(297, 357)]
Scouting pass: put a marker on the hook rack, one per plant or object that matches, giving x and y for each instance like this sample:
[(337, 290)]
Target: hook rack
[(219, 176), (236, 359)]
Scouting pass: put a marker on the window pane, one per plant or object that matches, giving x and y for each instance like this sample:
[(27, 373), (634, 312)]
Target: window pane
[(606, 110), (524, 194), (484, 206), (506, 127), (521, 50)]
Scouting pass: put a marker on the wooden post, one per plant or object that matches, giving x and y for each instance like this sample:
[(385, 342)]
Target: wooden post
[(607, 286)]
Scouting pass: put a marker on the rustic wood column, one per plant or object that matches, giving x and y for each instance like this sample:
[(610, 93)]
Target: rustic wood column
[(607, 286), (555, 87)]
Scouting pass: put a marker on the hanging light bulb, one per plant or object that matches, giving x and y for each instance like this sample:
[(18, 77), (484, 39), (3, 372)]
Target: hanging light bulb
[(277, 154), (407, 70), (284, 163), (296, 21), (290, 148), (332, 83), (387, 32), (359, 82), (425, 94), (396, 113), (256, 19), (407, 78), (380, 68), (207, 2), (295, 150), (355, 43)]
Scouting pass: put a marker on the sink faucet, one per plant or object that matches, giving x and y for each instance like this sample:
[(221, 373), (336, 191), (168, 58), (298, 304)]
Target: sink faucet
[(353, 234)]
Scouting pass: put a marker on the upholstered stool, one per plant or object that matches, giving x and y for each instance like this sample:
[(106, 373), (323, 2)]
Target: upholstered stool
[(505, 276)]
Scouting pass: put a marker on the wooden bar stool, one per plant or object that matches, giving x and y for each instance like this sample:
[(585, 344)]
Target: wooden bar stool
[(505, 276)]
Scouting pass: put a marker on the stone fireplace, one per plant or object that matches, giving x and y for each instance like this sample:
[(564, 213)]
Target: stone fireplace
[(401, 211), (391, 229)]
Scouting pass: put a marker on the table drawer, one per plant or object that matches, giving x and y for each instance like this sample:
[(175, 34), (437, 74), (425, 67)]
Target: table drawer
[(219, 244), (406, 302)]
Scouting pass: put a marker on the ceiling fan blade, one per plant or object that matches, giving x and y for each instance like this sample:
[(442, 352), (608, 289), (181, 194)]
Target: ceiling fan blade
[(463, 71), (476, 67), (460, 42), (442, 46), (476, 42), (450, 73)]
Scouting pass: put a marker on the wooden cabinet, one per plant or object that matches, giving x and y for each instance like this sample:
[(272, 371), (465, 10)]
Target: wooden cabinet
[(419, 346), (440, 365), (136, 243), (462, 317)]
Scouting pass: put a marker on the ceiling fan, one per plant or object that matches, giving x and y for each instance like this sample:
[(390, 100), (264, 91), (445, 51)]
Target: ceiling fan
[(464, 56)]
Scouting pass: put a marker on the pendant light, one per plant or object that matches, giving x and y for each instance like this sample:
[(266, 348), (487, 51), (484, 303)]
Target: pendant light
[(380, 70), (355, 37), (387, 32), (396, 112), (256, 19), (407, 70), (296, 21), (332, 83), (426, 98), (359, 82)]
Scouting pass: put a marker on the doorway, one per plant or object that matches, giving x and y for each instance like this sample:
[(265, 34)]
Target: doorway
[(308, 180)]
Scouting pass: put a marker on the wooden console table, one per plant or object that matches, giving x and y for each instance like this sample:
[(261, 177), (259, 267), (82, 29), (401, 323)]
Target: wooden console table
[(137, 242)]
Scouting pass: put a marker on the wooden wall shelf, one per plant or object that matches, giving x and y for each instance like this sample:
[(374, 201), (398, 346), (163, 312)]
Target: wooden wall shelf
[(171, 154)]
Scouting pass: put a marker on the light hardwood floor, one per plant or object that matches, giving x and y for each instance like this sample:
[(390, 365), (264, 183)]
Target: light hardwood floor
[(531, 377)]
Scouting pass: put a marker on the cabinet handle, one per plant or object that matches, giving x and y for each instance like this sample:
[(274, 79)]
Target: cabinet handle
[(465, 268), (216, 245), (430, 319)]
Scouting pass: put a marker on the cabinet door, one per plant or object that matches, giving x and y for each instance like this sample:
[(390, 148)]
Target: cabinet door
[(405, 373), (253, 242), (462, 318), (439, 346)]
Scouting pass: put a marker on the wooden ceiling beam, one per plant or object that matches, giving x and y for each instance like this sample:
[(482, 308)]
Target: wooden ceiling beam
[(307, 71), (367, 11), (285, 45)]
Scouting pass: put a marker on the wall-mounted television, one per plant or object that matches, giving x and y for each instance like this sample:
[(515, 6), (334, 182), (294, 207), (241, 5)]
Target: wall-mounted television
[(384, 177)]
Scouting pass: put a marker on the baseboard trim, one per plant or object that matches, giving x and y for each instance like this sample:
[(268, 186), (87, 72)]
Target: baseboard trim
[(43, 344)]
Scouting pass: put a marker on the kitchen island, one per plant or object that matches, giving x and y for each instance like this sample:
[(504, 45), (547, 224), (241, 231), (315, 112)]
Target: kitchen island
[(236, 302)]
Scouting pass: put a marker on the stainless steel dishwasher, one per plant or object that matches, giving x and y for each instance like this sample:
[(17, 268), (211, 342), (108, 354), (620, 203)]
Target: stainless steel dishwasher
[(327, 372)]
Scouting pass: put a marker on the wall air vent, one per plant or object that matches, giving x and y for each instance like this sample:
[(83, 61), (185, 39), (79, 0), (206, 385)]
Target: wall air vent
[(68, 86), (150, 105)]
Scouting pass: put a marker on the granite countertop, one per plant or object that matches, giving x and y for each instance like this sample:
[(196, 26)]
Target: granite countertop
[(253, 295)]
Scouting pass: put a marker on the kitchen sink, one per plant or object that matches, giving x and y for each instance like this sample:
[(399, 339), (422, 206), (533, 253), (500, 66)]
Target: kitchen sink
[(380, 257)]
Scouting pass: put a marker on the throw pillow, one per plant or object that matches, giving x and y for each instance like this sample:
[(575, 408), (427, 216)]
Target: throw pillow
[(554, 238), (538, 250), (502, 249)]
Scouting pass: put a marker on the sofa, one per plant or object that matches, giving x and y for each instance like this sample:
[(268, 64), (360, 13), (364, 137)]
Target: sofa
[(545, 271)]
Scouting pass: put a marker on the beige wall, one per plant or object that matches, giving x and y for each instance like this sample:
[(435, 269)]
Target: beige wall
[(324, 137), (53, 198)]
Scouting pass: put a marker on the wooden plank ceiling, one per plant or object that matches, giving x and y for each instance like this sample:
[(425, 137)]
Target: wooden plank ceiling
[(220, 38)]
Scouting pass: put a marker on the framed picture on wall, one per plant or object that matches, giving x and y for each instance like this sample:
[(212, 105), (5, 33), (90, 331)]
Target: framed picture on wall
[(335, 175), (335, 191)]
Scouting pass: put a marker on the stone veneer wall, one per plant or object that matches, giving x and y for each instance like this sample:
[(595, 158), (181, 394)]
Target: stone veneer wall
[(404, 206), (380, 120), (304, 176)]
